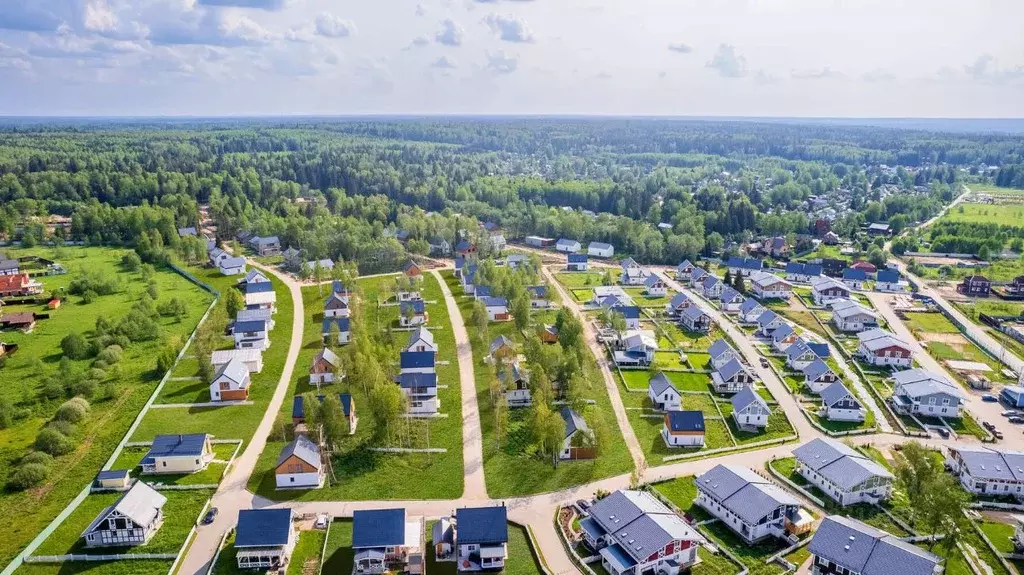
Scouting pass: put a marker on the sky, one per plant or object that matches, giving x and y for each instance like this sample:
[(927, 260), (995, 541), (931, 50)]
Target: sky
[(803, 58)]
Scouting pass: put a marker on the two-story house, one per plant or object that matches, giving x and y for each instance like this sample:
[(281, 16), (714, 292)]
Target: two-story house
[(336, 305), (845, 546), (259, 295), (577, 262), (839, 404), (818, 375), (881, 348), (749, 410), (855, 278), (264, 538), (133, 519), (975, 286), (481, 538), (516, 385), (299, 465), (842, 473), (825, 290), (850, 316), (783, 337), (711, 287), (412, 313), (750, 310), (922, 392), (890, 281), (770, 286), (695, 320), (251, 335), (663, 393), (748, 504), (683, 271), (802, 272), (325, 367), (731, 377), (578, 441), (987, 471), (230, 382), (683, 428), (421, 339), (730, 300), (654, 286), (418, 381), (677, 304), (341, 325), (722, 353), (768, 322), (743, 266)]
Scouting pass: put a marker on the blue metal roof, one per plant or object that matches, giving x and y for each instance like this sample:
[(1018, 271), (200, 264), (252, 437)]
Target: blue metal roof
[(538, 291), (686, 421), (854, 275), (888, 276), (259, 287), (250, 325), (463, 246), (744, 263), (495, 302), (482, 292), (112, 474), (263, 527), (416, 359), (819, 349), (378, 528), (175, 446), (619, 556), (339, 287), (299, 411), (577, 258), (481, 525), (628, 311), (417, 306), (417, 380), (341, 322)]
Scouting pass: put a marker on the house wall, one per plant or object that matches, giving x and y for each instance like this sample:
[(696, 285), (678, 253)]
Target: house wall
[(668, 400), (178, 465), (286, 480), (901, 357), (746, 418), (747, 531), (325, 377), (682, 439), (423, 405), (875, 490), (845, 414), (229, 394), (340, 312)]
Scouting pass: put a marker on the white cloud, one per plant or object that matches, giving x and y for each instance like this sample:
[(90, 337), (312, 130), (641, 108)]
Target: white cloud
[(272, 5), (509, 28), (501, 63), (98, 17), (825, 73), (332, 26), (680, 48), (445, 63), (728, 63), (451, 34), (986, 69)]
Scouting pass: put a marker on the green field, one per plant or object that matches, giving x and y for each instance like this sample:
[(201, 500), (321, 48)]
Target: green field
[(131, 382), (306, 557), (1003, 214), (682, 492), (510, 470), (575, 280), (358, 472), (929, 323)]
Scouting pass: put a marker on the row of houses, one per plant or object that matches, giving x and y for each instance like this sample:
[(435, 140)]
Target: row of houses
[(594, 249)]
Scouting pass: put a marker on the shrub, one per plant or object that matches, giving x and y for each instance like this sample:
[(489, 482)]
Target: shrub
[(88, 296), (28, 475), (100, 364), (75, 346), (72, 411), (53, 442), (53, 388), (96, 374), (83, 386), (64, 427), (111, 354), (37, 457)]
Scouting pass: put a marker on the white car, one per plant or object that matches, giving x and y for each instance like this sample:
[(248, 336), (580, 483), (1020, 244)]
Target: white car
[(322, 521)]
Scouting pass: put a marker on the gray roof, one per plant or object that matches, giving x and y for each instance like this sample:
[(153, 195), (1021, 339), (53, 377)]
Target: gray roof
[(235, 370), (816, 369), (710, 282), (835, 393), (659, 383), (989, 464), (840, 464), (853, 310), (798, 348), (421, 333), (329, 356), (639, 522), (743, 492), (863, 549), (263, 314), (878, 338), (653, 280), (141, 504), (745, 397), (731, 369), (720, 347), (693, 312), (302, 448), (785, 330), (232, 263), (499, 342), (824, 282), (750, 305), (573, 422), (921, 382), (678, 300), (767, 317), (728, 295)]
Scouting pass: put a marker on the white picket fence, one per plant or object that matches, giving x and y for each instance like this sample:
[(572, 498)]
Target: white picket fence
[(85, 557)]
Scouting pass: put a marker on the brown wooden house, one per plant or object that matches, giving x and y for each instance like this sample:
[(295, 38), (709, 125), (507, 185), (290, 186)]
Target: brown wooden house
[(975, 285)]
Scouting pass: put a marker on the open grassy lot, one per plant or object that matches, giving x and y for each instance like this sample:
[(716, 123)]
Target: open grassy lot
[(690, 341), (929, 322), (96, 568), (577, 279), (306, 557), (130, 383), (999, 534), (648, 433), (999, 270), (358, 472), (682, 492), (180, 513), (778, 426), (509, 468), (644, 300), (684, 381), (752, 556), (1003, 214)]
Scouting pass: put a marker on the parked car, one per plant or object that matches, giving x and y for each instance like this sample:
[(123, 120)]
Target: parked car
[(1008, 413), (998, 434), (210, 516), (943, 432), (1015, 419), (990, 398), (988, 426), (764, 362), (322, 521)]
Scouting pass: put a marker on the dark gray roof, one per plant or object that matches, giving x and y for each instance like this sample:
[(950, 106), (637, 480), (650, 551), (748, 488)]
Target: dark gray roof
[(693, 312), (835, 393), (686, 421), (798, 349), (302, 448), (678, 300), (838, 463), (730, 295), (747, 396), (750, 305), (481, 525), (785, 330), (720, 347), (263, 527), (500, 342), (766, 318), (659, 383), (418, 334), (639, 523), (863, 549), (745, 493), (816, 369), (730, 369), (232, 263), (992, 464), (573, 422)]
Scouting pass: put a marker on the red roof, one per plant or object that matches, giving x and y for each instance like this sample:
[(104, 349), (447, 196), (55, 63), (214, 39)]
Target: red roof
[(13, 282), (866, 266)]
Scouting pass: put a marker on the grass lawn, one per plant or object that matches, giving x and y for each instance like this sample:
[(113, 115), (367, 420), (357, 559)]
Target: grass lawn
[(358, 472), (956, 564), (648, 433), (306, 557), (778, 426), (690, 340), (96, 568), (644, 300), (582, 295), (227, 561), (999, 534), (38, 359), (131, 456), (637, 379), (1002, 214), (752, 556), (929, 322), (669, 360), (577, 279), (682, 491), (876, 455), (180, 513)]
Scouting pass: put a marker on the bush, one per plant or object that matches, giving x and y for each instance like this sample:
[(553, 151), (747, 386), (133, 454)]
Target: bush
[(28, 475), (75, 346), (88, 296), (54, 442), (72, 411), (83, 386), (111, 354), (37, 457), (96, 374), (100, 364), (65, 427)]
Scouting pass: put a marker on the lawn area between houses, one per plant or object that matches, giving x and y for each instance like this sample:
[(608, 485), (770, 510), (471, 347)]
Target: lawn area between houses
[(139, 567), (752, 556), (361, 474), (38, 358), (510, 470), (929, 322), (574, 280), (682, 492), (180, 513), (306, 557)]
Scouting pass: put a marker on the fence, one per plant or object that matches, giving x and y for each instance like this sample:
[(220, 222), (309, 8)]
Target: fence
[(745, 447), (85, 557), (567, 545), (793, 485)]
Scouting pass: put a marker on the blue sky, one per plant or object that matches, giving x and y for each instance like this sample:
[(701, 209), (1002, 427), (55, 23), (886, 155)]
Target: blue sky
[(900, 58)]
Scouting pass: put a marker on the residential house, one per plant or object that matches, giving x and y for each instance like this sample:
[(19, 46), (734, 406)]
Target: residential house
[(481, 538), (630, 313), (342, 324), (292, 260), (878, 229), (268, 246), (516, 261), (465, 248), (348, 409), (549, 334), (231, 266), (252, 358), (412, 313), (629, 262), (783, 337), (568, 246), (19, 285), (260, 295), (768, 322), (634, 276), (231, 382), (845, 545), (697, 276), (408, 295), (497, 308), (501, 348), (634, 533), (722, 353), (825, 290), (578, 442), (443, 539), (975, 285), (468, 279), (1015, 288), (538, 297), (879, 347), (802, 272), (890, 281), (115, 479), (838, 404), (539, 242), (833, 267), (417, 361), (750, 311), (799, 354), (866, 267), (216, 256), (20, 320), (336, 305), (776, 247), (988, 471), (439, 246), (133, 519), (420, 390), (654, 286), (326, 266), (637, 349), (255, 275), (264, 538), (516, 385), (663, 393), (251, 335), (683, 270), (748, 504), (844, 474), (695, 320), (412, 270), (676, 305), (299, 466), (600, 250), (481, 292), (421, 339), (577, 263), (818, 375), (683, 428), (9, 267), (730, 300), (178, 454), (770, 286), (731, 377), (830, 238), (324, 367), (338, 287), (854, 278), (922, 392), (848, 315), (749, 410), (743, 266)]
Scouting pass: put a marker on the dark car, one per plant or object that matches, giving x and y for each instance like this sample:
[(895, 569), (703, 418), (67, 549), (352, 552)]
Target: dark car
[(988, 426), (583, 505), (1015, 419), (943, 432), (764, 362), (210, 516), (990, 398), (998, 434)]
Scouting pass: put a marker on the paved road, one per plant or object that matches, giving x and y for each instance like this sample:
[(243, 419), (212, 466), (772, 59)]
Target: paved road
[(472, 437), (610, 383), (232, 495)]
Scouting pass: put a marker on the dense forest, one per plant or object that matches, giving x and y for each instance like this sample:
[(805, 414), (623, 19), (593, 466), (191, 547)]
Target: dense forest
[(660, 190)]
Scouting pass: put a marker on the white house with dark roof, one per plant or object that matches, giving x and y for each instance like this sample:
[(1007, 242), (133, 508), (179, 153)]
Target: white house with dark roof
[(750, 311), (799, 355), (818, 375), (853, 317), (177, 454), (845, 545), (264, 538), (987, 471), (255, 276), (663, 393), (697, 276), (578, 440), (638, 348), (783, 337), (768, 321), (730, 300), (635, 533), (722, 353), (412, 313), (577, 262), (743, 266), (634, 276), (600, 250), (683, 428), (655, 286), (323, 367), (770, 286), (231, 266), (712, 287), (825, 290), (299, 465), (890, 281), (230, 382), (336, 305), (843, 473), (855, 278), (568, 246), (677, 304), (839, 404), (421, 339), (802, 272), (748, 504), (259, 295), (749, 410), (923, 392), (879, 347), (694, 319), (683, 271), (516, 385), (731, 377), (132, 520)]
